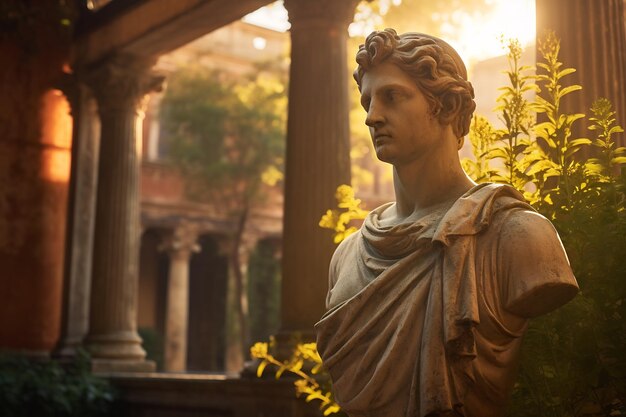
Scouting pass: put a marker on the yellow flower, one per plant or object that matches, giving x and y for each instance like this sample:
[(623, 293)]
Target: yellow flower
[(259, 350)]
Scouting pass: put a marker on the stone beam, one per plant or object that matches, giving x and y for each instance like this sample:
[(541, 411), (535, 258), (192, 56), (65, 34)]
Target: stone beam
[(156, 27)]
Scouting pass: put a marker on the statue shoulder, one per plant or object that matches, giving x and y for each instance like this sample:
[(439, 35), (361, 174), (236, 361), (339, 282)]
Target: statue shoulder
[(344, 248), (533, 264)]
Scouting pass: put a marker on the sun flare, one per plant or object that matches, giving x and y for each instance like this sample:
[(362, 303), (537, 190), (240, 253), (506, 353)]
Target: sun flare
[(480, 38)]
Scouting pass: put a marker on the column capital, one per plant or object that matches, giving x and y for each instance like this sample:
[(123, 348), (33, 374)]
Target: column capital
[(181, 242), (320, 12), (122, 82)]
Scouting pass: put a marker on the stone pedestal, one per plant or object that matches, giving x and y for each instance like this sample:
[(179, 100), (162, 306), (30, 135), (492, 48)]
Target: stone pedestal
[(119, 86), (318, 154), (592, 41), (180, 245)]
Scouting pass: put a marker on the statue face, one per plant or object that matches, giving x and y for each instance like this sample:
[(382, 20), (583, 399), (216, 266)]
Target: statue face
[(401, 124)]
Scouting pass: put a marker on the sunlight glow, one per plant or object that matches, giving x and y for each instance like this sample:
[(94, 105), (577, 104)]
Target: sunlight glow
[(57, 131), (259, 43), (273, 16), (475, 37), (479, 40)]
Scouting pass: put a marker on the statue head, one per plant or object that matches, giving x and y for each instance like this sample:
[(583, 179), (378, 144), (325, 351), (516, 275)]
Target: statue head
[(435, 67)]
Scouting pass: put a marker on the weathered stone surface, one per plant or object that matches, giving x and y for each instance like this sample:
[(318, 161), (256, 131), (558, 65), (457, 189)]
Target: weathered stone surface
[(119, 87), (429, 300), (318, 157)]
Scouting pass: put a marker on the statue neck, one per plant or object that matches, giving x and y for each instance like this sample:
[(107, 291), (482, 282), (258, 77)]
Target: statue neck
[(427, 184)]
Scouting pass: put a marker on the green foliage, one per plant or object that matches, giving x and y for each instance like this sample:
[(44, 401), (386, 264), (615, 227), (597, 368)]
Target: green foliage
[(555, 134), (573, 359), (264, 291), (306, 364), (603, 121), (226, 136), (482, 136), (514, 138), (42, 389)]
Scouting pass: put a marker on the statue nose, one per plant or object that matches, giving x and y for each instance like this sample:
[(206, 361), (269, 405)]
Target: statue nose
[(374, 117)]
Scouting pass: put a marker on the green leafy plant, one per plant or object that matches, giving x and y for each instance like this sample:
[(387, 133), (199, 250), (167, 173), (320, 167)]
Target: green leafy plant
[(514, 113), (29, 388), (610, 156), (482, 136), (555, 134), (227, 138), (573, 361)]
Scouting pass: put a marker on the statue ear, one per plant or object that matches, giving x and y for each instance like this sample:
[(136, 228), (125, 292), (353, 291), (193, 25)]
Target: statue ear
[(451, 104), (457, 109)]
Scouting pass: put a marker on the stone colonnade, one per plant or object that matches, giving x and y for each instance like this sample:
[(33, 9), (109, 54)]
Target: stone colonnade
[(317, 162)]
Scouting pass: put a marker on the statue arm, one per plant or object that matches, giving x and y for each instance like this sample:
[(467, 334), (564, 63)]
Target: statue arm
[(531, 258)]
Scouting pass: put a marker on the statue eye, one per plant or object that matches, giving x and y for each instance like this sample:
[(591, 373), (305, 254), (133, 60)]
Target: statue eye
[(391, 95)]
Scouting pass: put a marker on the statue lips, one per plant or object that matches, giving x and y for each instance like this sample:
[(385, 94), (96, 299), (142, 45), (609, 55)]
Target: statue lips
[(380, 138)]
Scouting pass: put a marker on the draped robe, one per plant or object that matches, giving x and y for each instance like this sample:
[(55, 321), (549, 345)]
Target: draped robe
[(425, 318)]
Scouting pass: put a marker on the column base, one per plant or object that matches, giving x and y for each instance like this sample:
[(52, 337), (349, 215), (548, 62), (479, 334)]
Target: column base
[(105, 366), (124, 346)]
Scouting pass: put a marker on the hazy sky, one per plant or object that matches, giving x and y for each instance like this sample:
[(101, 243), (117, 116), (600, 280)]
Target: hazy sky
[(475, 40)]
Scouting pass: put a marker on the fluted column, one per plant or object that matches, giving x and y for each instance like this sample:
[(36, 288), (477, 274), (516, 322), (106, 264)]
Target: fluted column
[(318, 153), (180, 245), (80, 217), (119, 86), (592, 41)]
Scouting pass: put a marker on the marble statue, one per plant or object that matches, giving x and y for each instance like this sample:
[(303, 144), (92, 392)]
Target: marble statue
[(429, 301)]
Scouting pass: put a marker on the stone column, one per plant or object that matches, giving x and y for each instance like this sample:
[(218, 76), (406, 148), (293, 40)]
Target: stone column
[(119, 86), (180, 245), (592, 41), (80, 218), (318, 154)]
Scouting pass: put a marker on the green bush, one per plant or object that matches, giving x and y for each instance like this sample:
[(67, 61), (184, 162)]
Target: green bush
[(47, 389), (574, 359)]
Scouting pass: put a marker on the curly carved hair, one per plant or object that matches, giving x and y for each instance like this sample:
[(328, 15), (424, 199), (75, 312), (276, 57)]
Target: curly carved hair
[(434, 65)]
